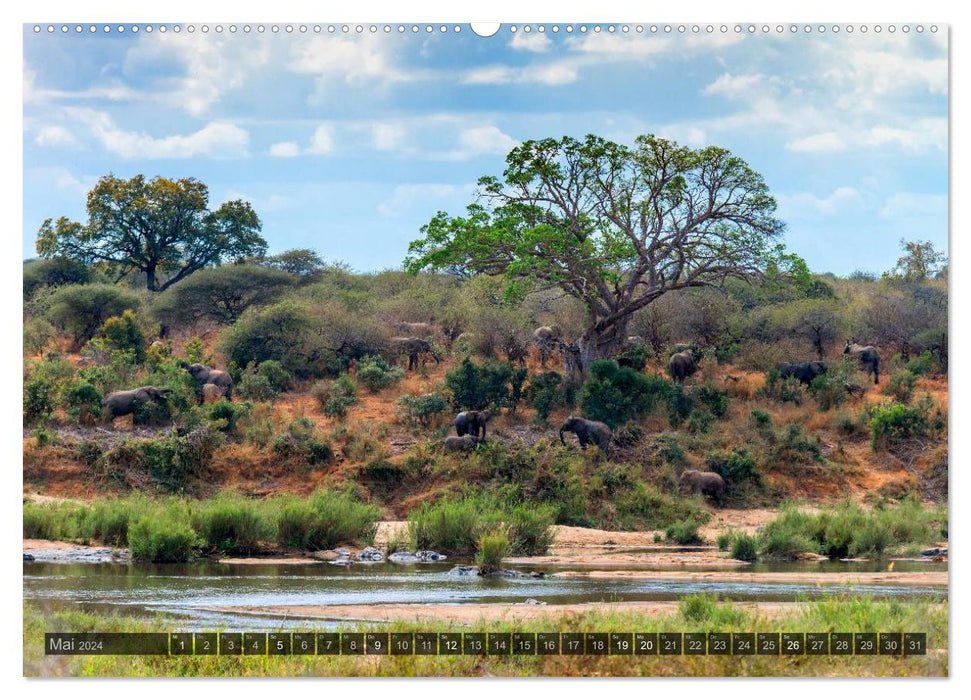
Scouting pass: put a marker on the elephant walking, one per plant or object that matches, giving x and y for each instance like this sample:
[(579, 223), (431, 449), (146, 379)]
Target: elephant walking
[(415, 348), (868, 356), (123, 403), (208, 375), (587, 431), (472, 423), (682, 365)]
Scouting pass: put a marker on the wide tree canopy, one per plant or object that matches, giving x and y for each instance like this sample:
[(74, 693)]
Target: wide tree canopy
[(160, 227), (614, 226)]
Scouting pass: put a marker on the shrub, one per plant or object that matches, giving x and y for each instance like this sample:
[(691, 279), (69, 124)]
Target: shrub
[(256, 386), (53, 272), (301, 442), (529, 529), (635, 356), (792, 446), (760, 418), (38, 334), (614, 394), (680, 404), (324, 521), (713, 398), (901, 386), (225, 414), (644, 507), (229, 523), (278, 377), (169, 460), (894, 423), (421, 409), (335, 396), (491, 549), (43, 386), (544, 393), (82, 309), (125, 333), (82, 402), (374, 373), (745, 547), (165, 538), (921, 365), (787, 390), (477, 387), (737, 468), (683, 532), (697, 607)]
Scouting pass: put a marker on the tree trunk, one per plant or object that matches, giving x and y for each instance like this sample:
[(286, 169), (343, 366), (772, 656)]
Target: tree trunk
[(151, 280), (596, 343)]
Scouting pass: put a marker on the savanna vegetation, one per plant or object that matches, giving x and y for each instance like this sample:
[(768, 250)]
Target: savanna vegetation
[(657, 249)]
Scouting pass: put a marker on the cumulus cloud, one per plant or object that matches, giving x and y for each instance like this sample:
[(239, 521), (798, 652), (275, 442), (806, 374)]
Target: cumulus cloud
[(907, 205), (54, 136), (421, 197), (534, 43), (733, 85), (285, 149), (323, 140), (828, 142), (217, 139), (809, 204)]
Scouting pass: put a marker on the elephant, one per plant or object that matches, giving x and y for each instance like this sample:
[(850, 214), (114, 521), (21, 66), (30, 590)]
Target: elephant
[(122, 403), (547, 340), (472, 423), (682, 364), (868, 357), (212, 393), (587, 431), (414, 348), (805, 372), (465, 443), (208, 375), (706, 483)]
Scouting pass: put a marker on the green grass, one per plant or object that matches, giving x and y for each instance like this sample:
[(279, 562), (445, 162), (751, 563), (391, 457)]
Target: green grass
[(694, 614), (492, 549)]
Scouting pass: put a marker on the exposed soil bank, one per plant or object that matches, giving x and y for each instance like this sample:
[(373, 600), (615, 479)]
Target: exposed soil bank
[(896, 578), (472, 613)]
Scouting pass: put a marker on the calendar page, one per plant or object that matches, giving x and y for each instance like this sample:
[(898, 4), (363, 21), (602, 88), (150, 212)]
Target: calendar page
[(436, 349)]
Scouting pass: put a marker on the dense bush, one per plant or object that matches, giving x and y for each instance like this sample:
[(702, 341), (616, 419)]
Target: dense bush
[(421, 409), (54, 272), (547, 391), (614, 394), (901, 386), (256, 386), (684, 532), (164, 538), (301, 442), (738, 468), (169, 460), (646, 508), (477, 387), (229, 523), (787, 390), (335, 396), (894, 423), (492, 549), (125, 333), (82, 309), (376, 374), (82, 401), (38, 334), (324, 520), (43, 387)]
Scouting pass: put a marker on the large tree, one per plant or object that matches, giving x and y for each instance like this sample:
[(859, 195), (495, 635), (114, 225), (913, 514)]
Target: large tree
[(614, 226), (160, 227)]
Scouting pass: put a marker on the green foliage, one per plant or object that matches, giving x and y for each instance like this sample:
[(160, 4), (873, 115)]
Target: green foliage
[(745, 547), (901, 386), (738, 468), (713, 398), (278, 377), (614, 394), (335, 396), (787, 390), (545, 392), (791, 446), (225, 415), (229, 523), (635, 356), (646, 508), (374, 373), (256, 386), (38, 334), (421, 409), (221, 294), (301, 442), (43, 386), (194, 351), (491, 548), (53, 272), (684, 532), (165, 538), (324, 520), (154, 226), (893, 423), (82, 310), (830, 389), (760, 418), (476, 387), (82, 402), (169, 460), (921, 365), (124, 333)]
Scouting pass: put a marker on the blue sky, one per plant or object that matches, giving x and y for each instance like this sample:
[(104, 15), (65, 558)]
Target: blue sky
[(348, 144)]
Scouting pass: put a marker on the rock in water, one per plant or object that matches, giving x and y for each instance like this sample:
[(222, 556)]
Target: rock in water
[(370, 554), (28, 557), (403, 558), (427, 555), (464, 571)]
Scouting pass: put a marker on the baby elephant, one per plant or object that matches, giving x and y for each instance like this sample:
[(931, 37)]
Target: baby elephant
[(466, 443), (207, 375), (706, 483), (587, 431), (472, 423), (805, 372), (121, 403)]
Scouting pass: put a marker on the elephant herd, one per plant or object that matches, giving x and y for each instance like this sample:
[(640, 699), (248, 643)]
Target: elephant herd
[(470, 427), (211, 385)]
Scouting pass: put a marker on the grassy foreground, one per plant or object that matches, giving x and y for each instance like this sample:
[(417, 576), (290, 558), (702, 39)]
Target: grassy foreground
[(695, 614)]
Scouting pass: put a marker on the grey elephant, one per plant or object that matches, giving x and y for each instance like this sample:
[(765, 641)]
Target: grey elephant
[(208, 375), (465, 443), (682, 365), (805, 372), (587, 431), (706, 483), (547, 339), (122, 403), (416, 330), (472, 423), (414, 348), (868, 356)]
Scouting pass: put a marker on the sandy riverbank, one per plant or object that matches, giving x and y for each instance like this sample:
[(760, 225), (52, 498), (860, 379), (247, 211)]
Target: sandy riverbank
[(890, 578)]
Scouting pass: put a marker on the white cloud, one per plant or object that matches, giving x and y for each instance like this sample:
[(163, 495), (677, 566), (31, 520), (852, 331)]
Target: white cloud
[(925, 133), (421, 197), (323, 140), (54, 136), (553, 73), (388, 136), (217, 139), (350, 60), (285, 149), (828, 142), (808, 204), (734, 85), (535, 42), (480, 140), (906, 205)]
